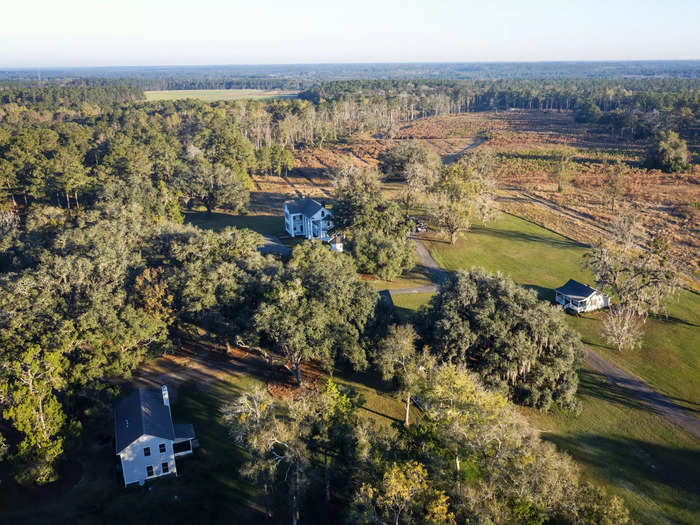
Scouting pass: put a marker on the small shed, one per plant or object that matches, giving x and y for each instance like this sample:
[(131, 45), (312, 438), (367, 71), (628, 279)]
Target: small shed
[(336, 243), (580, 297)]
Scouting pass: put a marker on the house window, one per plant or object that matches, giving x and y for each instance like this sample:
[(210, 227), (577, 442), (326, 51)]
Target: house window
[(149, 470), (161, 447), (147, 451), (165, 468)]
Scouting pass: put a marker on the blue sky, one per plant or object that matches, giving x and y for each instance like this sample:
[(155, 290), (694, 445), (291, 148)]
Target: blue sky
[(41, 33)]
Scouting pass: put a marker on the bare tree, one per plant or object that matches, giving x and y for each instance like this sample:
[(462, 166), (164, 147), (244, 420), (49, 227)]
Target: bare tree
[(639, 280), (623, 328), (626, 231)]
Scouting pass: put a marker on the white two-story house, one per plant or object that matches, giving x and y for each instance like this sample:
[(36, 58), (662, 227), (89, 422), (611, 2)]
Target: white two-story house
[(146, 440), (307, 218)]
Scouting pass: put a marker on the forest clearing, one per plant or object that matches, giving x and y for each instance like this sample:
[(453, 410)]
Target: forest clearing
[(214, 95)]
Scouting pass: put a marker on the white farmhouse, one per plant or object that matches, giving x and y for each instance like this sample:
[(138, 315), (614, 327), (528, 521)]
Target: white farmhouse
[(147, 441), (307, 218), (580, 297)]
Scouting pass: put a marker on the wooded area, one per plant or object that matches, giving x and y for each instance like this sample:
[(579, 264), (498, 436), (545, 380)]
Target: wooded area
[(99, 274)]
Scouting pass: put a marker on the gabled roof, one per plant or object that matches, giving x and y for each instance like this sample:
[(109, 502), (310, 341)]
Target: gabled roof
[(306, 206), (576, 290), (141, 412)]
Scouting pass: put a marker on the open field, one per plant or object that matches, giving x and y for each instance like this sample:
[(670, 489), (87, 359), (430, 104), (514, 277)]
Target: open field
[(213, 95), (543, 260), (523, 144)]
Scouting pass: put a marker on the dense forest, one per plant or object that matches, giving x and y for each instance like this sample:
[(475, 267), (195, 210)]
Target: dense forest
[(98, 273)]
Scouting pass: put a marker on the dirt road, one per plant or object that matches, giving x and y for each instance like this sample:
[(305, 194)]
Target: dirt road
[(633, 387)]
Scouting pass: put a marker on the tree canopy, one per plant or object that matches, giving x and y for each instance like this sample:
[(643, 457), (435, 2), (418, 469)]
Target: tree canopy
[(517, 344), (317, 308)]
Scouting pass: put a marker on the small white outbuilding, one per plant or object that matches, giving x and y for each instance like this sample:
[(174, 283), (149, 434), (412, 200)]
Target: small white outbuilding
[(146, 440), (580, 297)]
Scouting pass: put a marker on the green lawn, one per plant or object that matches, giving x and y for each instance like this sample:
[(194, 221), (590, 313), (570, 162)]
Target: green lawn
[(213, 95), (263, 224), (639, 456), (408, 280), (408, 304), (543, 260)]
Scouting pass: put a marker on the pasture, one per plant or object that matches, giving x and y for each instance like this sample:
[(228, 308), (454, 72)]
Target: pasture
[(214, 95)]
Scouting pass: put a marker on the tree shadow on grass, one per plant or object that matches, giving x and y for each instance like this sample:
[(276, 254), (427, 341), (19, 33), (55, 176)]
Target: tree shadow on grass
[(625, 392), (596, 385), (543, 293), (510, 235), (640, 466), (661, 318)]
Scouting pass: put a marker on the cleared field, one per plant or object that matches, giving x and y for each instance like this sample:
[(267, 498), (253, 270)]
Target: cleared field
[(213, 95)]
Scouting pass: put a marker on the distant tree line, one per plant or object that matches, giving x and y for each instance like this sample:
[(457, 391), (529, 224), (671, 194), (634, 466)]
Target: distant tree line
[(634, 108), (69, 94)]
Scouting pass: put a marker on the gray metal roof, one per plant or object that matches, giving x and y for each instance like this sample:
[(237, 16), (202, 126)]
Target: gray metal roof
[(576, 290), (141, 412), (305, 206), (184, 431)]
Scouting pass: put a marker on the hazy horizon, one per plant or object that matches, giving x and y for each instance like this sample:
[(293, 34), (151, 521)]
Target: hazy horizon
[(111, 33), (59, 67)]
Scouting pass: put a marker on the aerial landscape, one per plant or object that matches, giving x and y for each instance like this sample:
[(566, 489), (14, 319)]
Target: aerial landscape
[(411, 264)]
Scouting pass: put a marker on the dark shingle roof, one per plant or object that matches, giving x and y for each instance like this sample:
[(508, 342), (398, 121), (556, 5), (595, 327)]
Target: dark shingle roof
[(576, 290), (306, 206), (141, 412)]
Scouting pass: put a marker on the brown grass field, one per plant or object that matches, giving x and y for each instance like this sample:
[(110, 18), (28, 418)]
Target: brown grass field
[(523, 144)]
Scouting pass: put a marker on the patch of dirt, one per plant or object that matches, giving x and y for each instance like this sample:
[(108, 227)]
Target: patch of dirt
[(283, 385)]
